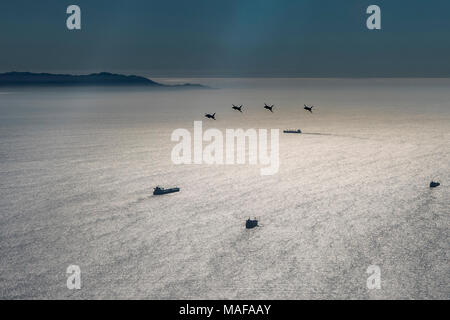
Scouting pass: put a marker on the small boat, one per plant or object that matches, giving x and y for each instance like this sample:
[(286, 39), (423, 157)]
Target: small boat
[(293, 131), (159, 191), (250, 224), (434, 184)]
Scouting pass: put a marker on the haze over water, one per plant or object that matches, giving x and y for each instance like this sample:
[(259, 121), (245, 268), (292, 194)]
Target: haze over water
[(78, 167)]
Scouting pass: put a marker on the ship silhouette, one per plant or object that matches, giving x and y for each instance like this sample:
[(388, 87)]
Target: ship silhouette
[(158, 190), (434, 184), (293, 131), (250, 224)]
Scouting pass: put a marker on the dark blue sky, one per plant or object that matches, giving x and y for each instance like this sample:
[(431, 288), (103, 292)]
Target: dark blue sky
[(319, 38)]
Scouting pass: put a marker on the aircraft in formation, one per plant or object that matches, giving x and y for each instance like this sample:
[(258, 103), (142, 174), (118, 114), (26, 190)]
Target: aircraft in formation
[(210, 116), (266, 106), (238, 108), (308, 108)]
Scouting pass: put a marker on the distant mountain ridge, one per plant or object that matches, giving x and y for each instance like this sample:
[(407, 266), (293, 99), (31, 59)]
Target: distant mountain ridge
[(99, 79)]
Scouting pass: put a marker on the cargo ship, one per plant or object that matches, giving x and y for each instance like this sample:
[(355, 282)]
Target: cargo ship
[(434, 184), (250, 224), (293, 131), (158, 190)]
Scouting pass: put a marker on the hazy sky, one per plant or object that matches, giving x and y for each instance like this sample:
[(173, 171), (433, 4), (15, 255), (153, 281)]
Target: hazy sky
[(228, 37)]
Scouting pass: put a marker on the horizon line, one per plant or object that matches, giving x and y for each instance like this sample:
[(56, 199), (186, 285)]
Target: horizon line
[(244, 76)]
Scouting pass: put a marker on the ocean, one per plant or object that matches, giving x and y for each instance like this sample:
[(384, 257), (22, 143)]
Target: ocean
[(78, 167)]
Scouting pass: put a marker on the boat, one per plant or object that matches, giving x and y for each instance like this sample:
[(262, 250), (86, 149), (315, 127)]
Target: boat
[(434, 184), (250, 224), (159, 190), (293, 131)]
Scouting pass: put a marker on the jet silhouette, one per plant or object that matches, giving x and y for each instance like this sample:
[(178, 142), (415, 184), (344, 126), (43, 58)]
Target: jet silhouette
[(211, 116), (237, 108), (308, 108), (268, 108)]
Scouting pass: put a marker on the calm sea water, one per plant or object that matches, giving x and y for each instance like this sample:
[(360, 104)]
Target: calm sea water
[(77, 168)]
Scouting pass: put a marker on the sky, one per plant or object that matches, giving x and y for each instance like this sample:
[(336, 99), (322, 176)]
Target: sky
[(236, 38)]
